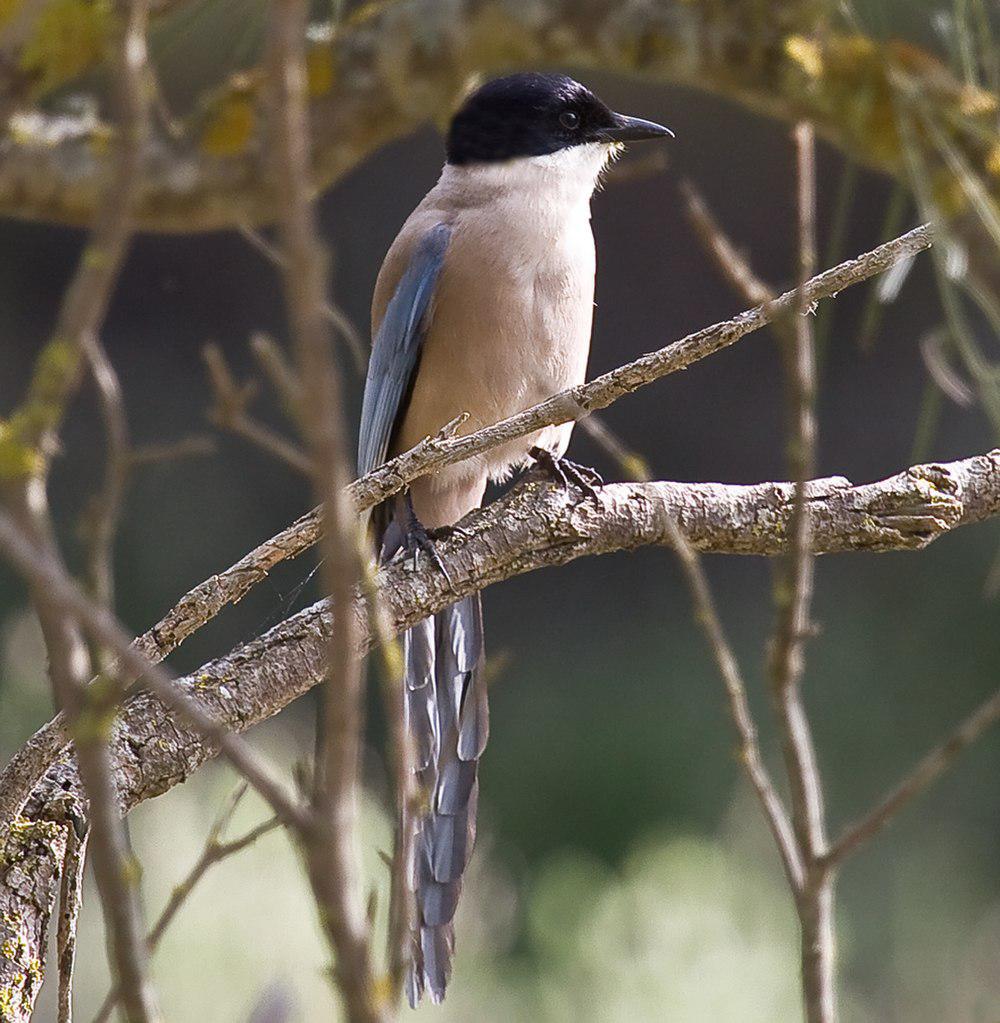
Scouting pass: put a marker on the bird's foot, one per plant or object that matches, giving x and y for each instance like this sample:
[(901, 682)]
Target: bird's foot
[(568, 473), (419, 539)]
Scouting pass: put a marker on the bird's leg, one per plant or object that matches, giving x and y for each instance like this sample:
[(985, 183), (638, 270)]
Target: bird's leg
[(568, 473), (419, 538)]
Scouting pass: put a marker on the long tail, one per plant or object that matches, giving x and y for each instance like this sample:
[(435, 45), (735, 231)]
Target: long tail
[(448, 718)]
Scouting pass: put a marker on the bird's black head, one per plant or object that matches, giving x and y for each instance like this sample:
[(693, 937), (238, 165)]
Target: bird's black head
[(534, 114)]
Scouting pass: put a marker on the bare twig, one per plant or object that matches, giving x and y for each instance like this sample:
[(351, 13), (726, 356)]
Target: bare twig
[(331, 846), (216, 850), (728, 667), (735, 267), (194, 446), (278, 370), (101, 522), (230, 412), (793, 591), (927, 770), (406, 792), (794, 579), (946, 378), (335, 316)]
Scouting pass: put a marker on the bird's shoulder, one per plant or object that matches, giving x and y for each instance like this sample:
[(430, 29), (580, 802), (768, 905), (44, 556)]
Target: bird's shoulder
[(421, 222)]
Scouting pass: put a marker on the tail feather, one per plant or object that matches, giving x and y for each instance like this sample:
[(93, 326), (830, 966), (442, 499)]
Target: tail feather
[(437, 947), (418, 659), (448, 717)]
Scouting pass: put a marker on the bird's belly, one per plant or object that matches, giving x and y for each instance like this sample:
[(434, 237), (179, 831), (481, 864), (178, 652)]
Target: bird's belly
[(502, 341)]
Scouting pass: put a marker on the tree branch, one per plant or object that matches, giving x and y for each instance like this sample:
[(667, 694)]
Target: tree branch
[(28, 441), (393, 67), (793, 593), (927, 770)]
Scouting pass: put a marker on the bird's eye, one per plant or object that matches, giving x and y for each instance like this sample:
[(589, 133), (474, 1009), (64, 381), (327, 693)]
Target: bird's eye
[(569, 119)]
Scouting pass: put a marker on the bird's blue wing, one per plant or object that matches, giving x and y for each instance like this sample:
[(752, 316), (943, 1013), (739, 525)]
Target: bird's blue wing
[(396, 348)]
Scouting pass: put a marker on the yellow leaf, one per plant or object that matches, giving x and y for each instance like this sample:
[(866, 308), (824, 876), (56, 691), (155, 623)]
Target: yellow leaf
[(230, 126), (69, 38), (806, 53)]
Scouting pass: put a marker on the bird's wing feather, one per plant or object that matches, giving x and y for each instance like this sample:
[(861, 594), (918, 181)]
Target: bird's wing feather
[(396, 348)]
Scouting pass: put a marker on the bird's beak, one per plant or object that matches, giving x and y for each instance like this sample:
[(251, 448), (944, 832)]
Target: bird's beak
[(632, 129)]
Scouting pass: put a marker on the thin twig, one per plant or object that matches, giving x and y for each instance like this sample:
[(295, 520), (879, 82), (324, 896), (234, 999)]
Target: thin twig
[(331, 848), (101, 521), (195, 446), (335, 316), (927, 770), (734, 266), (229, 412), (728, 667), (278, 370), (794, 578), (216, 850), (793, 590), (405, 791), (631, 463)]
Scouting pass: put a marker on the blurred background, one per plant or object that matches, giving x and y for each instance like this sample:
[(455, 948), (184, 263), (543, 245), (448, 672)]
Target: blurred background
[(623, 871)]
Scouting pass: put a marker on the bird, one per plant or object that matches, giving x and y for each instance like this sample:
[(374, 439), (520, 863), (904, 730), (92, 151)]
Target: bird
[(483, 307)]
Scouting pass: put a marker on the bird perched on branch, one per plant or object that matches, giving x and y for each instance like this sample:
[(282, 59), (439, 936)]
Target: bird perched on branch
[(484, 306)]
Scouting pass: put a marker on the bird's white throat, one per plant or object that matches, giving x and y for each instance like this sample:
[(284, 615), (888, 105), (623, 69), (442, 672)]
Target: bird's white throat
[(567, 176)]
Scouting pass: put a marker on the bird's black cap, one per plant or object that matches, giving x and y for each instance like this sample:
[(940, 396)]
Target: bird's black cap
[(534, 114)]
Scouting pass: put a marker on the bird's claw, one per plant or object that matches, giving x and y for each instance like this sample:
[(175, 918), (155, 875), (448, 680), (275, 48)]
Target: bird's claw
[(421, 539), (569, 474)]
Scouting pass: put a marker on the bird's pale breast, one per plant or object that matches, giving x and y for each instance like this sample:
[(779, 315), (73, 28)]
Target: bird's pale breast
[(510, 324)]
